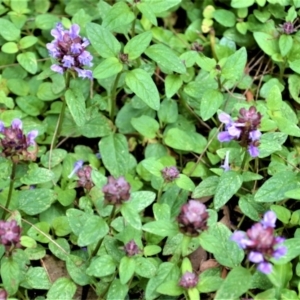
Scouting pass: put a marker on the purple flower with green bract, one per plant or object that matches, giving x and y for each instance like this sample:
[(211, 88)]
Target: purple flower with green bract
[(244, 129), (260, 242), (69, 50)]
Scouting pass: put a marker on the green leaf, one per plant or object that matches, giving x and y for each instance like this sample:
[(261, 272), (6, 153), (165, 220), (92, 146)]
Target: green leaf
[(274, 99), (131, 216), (145, 267), (101, 266), (27, 41), (28, 61), (161, 228), (282, 213), (10, 275), (117, 17), (159, 6), (287, 126), (10, 47), (36, 175), (114, 153), (40, 232), (281, 275), (141, 199), (9, 31), (141, 83), (224, 17), (146, 126), (206, 63), (236, 283), (76, 267), (126, 269), (185, 183), (33, 202), (293, 250), (271, 142), (266, 42), (31, 105), (184, 140), (274, 188), (46, 21), (77, 219), (241, 4), (210, 103), (76, 104), (93, 230), (57, 156), (117, 290), (62, 288), (295, 65), (170, 288), (294, 86), (229, 183), (207, 187), (137, 45), (107, 68), (217, 241), (60, 248), (285, 44), (150, 250), (234, 66), (18, 86), (37, 278), (208, 284), (172, 84), (165, 58), (61, 226), (103, 40)]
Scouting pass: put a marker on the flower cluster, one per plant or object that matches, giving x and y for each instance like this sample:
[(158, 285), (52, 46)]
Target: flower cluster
[(170, 174), (10, 233), (68, 48), (193, 217), (131, 248), (116, 190), (244, 129), (288, 28), (15, 143), (188, 280), (260, 243)]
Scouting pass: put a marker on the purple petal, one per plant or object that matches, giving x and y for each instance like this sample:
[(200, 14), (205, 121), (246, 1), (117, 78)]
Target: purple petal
[(269, 219), (255, 257), (226, 166), (240, 238), (279, 252), (2, 127), (85, 58), (58, 32), (74, 31), (57, 68), (68, 61), (31, 137), (224, 136), (84, 73), (265, 267), (78, 165), (85, 43), (234, 131), (253, 151), (225, 118), (254, 135), (16, 124), (76, 48)]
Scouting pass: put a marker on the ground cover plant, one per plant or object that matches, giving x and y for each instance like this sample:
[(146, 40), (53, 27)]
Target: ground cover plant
[(149, 149)]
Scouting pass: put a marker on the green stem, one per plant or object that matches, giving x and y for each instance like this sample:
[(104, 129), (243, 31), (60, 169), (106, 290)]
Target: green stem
[(11, 187), (244, 161), (113, 97), (134, 20)]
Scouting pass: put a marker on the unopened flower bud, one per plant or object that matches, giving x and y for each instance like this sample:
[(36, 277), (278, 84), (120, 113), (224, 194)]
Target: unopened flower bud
[(84, 177), (188, 280), (131, 248), (170, 173), (10, 233)]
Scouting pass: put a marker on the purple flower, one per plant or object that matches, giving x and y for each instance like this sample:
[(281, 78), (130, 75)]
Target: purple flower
[(188, 280), (85, 177), (10, 233), (77, 165), (226, 165), (244, 129), (170, 173), (116, 191), (31, 137), (260, 243), (288, 28), (131, 248), (193, 217), (3, 294), (69, 50)]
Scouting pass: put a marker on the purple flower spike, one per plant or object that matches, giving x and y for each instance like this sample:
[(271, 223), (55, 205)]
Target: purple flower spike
[(69, 50), (77, 165), (260, 243), (188, 280), (269, 219), (226, 166)]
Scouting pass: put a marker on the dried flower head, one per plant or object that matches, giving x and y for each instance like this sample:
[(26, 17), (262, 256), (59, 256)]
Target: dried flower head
[(16, 144), (188, 280), (193, 217), (10, 233), (69, 49), (170, 173), (131, 248), (244, 129), (116, 190), (260, 242)]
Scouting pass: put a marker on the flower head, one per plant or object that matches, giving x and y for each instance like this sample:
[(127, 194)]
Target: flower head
[(117, 190), (77, 165), (244, 129), (288, 28), (131, 248), (69, 50), (188, 280), (10, 233), (170, 173), (260, 242), (15, 143), (193, 217), (84, 177)]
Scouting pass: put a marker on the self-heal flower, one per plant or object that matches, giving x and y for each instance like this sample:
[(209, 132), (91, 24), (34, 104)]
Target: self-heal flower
[(84, 175), (69, 50), (188, 280), (116, 191), (77, 165), (131, 248), (226, 165), (170, 173), (260, 243), (244, 129), (10, 233), (193, 217)]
